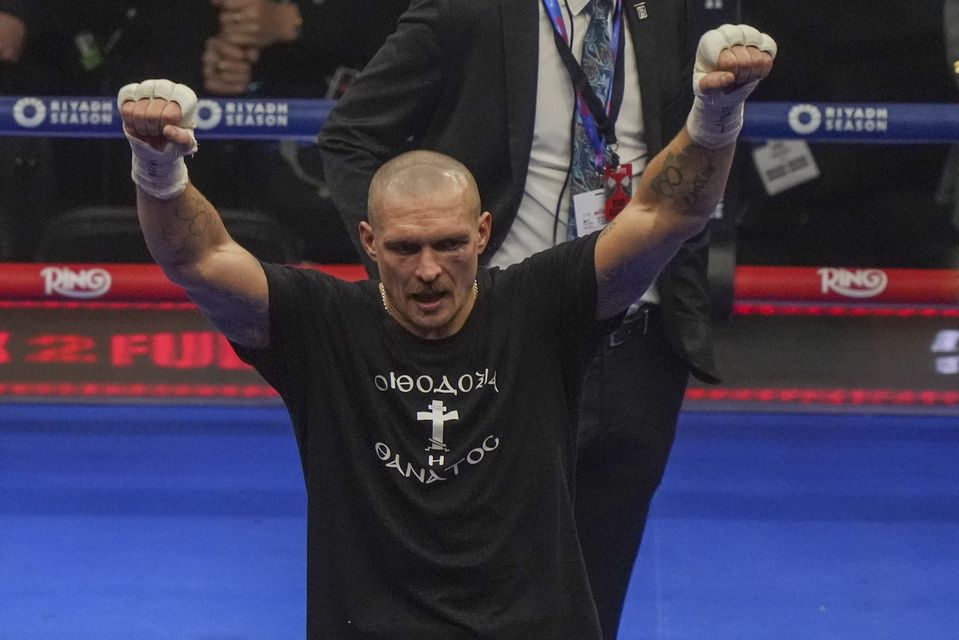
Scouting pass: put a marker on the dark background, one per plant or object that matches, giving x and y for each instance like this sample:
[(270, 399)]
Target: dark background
[(873, 205)]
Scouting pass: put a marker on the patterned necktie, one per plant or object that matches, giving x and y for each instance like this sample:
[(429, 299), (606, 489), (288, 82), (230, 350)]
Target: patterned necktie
[(597, 64)]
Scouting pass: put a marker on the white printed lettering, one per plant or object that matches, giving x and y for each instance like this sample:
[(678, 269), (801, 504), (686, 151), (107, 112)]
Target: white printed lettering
[(404, 383), (396, 464), (446, 387), (423, 383), (428, 475), (491, 381)]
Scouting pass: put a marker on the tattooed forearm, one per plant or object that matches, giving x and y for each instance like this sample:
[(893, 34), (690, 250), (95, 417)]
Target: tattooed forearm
[(187, 229), (196, 213), (685, 178), (674, 200)]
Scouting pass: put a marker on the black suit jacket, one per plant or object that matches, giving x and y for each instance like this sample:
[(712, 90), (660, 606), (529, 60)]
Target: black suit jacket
[(459, 77)]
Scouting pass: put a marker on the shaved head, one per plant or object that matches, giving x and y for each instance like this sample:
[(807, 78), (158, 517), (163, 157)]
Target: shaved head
[(425, 232), (417, 174)]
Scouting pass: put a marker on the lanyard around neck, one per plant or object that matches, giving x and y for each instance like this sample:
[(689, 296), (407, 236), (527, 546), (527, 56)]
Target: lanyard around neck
[(599, 122)]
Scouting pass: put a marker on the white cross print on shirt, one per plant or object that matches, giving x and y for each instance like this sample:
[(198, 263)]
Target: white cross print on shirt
[(439, 419)]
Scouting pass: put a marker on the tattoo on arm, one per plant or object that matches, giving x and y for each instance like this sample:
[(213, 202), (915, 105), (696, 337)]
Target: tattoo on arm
[(685, 184), (196, 213), (614, 281), (186, 228), (685, 178)]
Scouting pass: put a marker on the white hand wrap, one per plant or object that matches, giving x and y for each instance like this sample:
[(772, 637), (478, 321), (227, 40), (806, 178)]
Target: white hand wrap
[(161, 172), (716, 119)]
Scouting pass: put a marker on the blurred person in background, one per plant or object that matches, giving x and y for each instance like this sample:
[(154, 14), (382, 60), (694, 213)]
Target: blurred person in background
[(56, 47), (273, 49), (14, 15), (294, 49), (62, 48)]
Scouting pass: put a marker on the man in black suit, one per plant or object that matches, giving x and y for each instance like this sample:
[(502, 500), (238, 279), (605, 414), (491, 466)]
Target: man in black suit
[(484, 82)]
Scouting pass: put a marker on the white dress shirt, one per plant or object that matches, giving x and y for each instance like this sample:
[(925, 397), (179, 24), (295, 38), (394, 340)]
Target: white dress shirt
[(544, 211)]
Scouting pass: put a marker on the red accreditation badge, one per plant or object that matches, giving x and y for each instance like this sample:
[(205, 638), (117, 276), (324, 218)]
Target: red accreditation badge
[(619, 188)]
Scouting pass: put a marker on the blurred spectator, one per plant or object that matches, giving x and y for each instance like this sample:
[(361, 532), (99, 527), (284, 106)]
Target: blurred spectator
[(262, 48), (69, 48), (869, 207), (247, 27), (13, 29), (56, 47), (304, 49), (294, 49)]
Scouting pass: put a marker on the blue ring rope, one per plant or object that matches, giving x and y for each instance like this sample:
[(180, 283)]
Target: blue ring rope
[(300, 120), (99, 117)]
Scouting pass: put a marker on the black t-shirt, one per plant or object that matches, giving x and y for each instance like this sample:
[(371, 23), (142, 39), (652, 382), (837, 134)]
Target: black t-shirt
[(439, 472)]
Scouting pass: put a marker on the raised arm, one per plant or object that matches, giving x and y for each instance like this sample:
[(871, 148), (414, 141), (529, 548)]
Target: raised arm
[(183, 231), (682, 185)]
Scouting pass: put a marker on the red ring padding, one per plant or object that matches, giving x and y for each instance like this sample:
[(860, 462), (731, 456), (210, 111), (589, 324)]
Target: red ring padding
[(146, 283), (127, 282)]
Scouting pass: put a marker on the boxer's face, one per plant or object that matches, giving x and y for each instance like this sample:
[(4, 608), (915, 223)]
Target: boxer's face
[(427, 249)]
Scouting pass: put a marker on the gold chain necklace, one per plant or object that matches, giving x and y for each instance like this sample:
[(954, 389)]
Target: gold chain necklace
[(386, 305)]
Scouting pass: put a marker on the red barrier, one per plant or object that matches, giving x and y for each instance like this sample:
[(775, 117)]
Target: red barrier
[(108, 282), (134, 336), (823, 285), (847, 285)]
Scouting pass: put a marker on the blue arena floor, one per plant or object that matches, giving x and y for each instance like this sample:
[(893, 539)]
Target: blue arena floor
[(187, 523)]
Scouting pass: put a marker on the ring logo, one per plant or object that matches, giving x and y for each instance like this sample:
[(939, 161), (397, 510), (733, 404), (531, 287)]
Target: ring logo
[(861, 283), (805, 118), (29, 113), (208, 114), (85, 284)]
